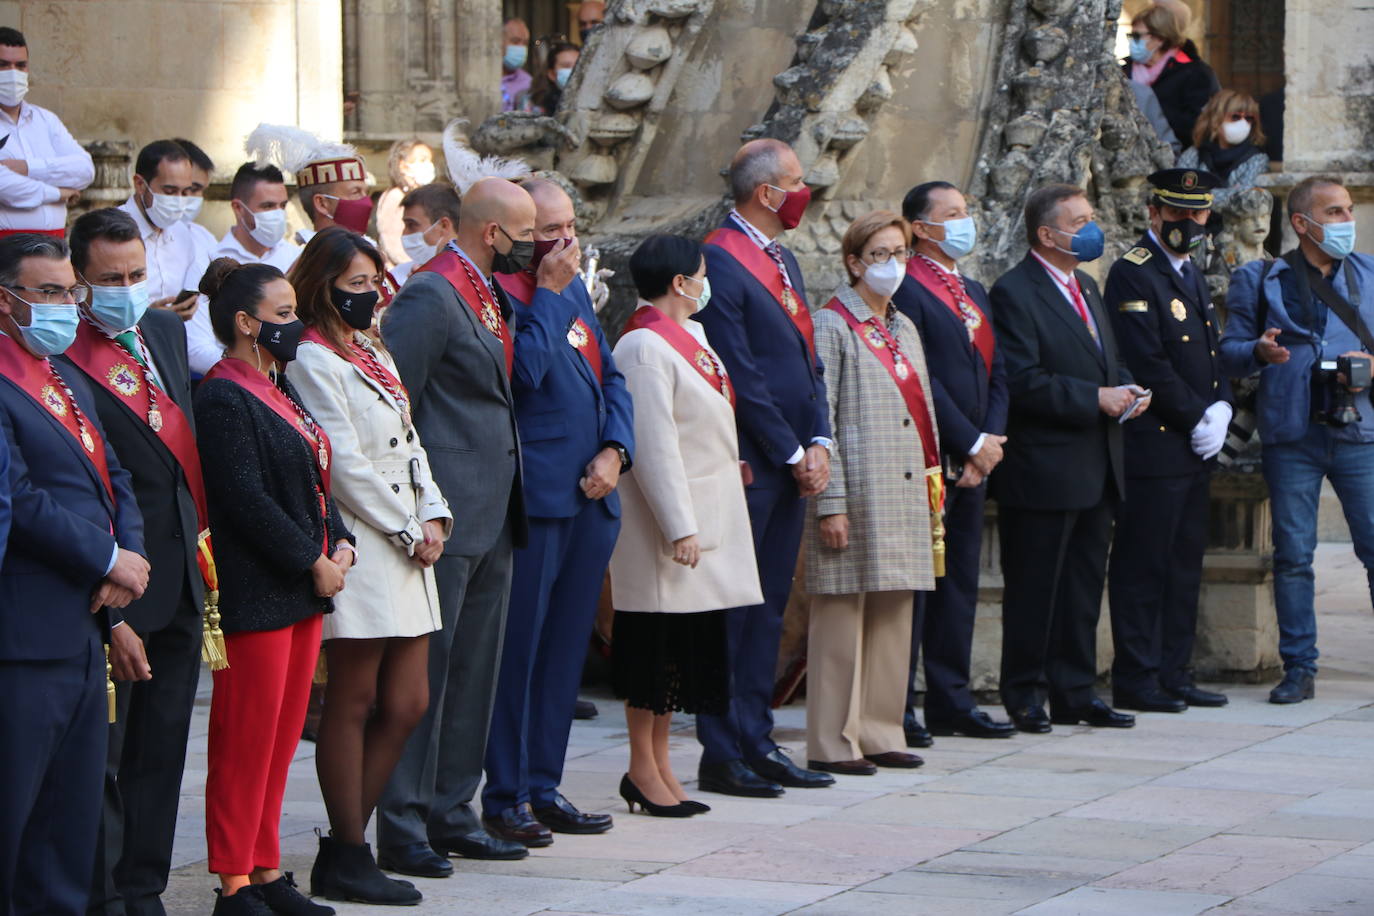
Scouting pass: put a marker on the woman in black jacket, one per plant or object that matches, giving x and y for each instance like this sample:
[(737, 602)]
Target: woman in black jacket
[(1168, 63), (282, 553)]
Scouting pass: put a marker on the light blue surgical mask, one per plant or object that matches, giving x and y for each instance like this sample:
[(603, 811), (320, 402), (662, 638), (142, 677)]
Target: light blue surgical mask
[(1088, 243), (705, 296), (1338, 239), (118, 308), (562, 75), (1140, 51), (51, 328), (515, 58), (961, 235)]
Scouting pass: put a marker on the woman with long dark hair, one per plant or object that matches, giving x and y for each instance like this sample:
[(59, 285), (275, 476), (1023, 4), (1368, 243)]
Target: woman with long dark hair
[(377, 640)]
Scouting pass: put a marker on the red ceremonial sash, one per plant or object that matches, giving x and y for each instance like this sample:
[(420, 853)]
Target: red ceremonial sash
[(55, 233), (764, 269), (35, 378), (580, 337), (454, 268), (258, 385), (110, 366), (372, 368), (687, 346), (944, 288)]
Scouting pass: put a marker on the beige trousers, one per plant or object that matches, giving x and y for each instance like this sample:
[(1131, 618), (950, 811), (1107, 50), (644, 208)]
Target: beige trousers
[(857, 654)]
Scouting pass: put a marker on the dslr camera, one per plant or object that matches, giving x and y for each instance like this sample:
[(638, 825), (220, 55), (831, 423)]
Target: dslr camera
[(1333, 403)]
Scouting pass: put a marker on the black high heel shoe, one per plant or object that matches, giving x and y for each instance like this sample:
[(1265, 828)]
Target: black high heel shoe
[(695, 807), (630, 792)]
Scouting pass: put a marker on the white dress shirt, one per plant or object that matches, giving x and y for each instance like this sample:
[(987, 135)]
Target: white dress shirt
[(1066, 282), (55, 160), (175, 262)]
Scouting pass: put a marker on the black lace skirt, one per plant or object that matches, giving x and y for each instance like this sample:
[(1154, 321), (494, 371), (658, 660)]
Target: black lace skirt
[(671, 662)]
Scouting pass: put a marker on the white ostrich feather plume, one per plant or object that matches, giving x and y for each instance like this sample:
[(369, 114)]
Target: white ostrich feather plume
[(290, 148), (466, 167)]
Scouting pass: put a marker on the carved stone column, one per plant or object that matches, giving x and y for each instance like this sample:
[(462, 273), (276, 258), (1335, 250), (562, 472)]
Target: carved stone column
[(114, 162)]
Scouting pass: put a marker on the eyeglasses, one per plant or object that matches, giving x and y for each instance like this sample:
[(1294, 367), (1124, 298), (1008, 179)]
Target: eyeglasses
[(77, 295), (883, 255)]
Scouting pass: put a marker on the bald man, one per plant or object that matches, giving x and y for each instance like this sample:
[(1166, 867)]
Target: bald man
[(448, 332), (577, 426)]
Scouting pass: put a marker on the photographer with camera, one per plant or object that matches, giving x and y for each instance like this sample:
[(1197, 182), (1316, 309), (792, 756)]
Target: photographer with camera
[(1303, 321)]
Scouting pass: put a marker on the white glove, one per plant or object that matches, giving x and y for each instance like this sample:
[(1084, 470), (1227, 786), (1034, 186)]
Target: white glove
[(1209, 435)]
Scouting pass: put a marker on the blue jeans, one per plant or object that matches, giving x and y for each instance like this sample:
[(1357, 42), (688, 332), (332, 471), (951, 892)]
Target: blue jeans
[(1294, 472)]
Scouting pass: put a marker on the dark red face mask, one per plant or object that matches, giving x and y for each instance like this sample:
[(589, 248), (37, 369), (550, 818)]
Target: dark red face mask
[(542, 248), (354, 214), (794, 204)]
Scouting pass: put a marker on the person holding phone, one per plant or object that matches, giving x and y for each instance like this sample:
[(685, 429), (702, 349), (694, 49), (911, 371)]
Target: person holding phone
[(161, 197)]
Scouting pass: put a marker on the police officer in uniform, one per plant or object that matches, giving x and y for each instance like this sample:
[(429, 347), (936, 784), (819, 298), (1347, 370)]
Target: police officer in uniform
[(1167, 330)]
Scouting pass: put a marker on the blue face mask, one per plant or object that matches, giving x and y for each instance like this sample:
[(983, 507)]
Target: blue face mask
[(515, 58), (1338, 239), (1088, 243), (52, 328), (562, 75), (960, 236), (119, 308), (1140, 51)]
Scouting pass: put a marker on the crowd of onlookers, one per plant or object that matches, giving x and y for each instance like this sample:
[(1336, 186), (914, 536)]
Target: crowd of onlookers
[(386, 467)]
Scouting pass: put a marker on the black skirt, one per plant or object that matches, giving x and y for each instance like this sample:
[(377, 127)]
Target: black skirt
[(671, 662)]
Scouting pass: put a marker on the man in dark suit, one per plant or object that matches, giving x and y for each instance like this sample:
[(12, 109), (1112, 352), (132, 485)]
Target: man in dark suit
[(577, 431), (759, 322), (75, 555), (135, 362), (1168, 331), (1062, 474), (969, 383), (449, 334)]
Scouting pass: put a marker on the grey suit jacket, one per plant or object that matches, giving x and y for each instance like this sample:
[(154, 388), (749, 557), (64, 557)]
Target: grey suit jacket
[(455, 371)]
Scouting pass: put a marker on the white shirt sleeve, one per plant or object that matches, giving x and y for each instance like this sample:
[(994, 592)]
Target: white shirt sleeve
[(23, 192), (70, 166)]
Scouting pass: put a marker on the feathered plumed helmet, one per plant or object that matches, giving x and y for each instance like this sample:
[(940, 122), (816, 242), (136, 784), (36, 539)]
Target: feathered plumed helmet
[(466, 167), (313, 161)]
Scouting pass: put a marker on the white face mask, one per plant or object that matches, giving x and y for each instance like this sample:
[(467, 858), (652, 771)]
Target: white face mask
[(699, 301), (885, 278), (14, 85), (167, 209), (416, 248), (191, 211), (1235, 132), (269, 227)]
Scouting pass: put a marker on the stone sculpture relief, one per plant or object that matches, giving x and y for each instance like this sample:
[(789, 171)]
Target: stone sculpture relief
[(1247, 221)]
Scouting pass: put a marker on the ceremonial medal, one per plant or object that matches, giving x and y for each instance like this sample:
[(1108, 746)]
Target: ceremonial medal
[(52, 401), (86, 441), (1178, 310), (789, 300), (155, 420), (705, 363), (900, 367), (324, 457), (577, 337), (491, 318), (875, 338), (123, 380), (404, 406)]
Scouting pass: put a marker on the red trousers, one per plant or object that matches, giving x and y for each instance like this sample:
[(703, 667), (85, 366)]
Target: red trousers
[(256, 715)]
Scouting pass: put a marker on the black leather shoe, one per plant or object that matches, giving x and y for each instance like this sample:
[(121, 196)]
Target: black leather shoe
[(917, 735), (1151, 699), (1297, 685), (972, 724), (478, 845), (734, 778), (844, 767), (416, 859), (563, 817), (1030, 719), (585, 709), (1097, 714), (778, 767), (899, 760), (246, 901), (518, 825), (1194, 695)]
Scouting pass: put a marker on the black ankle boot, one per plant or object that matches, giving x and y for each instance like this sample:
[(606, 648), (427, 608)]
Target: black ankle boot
[(346, 872), (247, 901), (284, 899)]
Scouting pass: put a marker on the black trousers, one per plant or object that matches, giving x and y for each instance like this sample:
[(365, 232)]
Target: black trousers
[(942, 629), (143, 769), (53, 717), (1155, 576), (1054, 566)]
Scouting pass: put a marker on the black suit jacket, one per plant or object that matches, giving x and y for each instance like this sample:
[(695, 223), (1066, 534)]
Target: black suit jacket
[(1061, 449), (170, 526), (968, 400)]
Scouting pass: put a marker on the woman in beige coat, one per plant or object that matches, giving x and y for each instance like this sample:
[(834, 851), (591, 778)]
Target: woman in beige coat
[(868, 536), (685, 551), (376, 641)]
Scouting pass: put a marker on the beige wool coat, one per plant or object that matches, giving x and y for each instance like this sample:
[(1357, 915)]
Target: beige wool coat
[(877, 470), (685, 480), (385, 593)]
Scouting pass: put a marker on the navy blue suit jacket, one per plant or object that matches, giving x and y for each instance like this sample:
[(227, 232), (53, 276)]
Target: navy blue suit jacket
[(780, 398), (4, 497), (968, 401), (60, 540), (564, 415)]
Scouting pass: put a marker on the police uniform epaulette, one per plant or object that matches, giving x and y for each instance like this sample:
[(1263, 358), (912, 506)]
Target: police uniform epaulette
[(1138, 255)]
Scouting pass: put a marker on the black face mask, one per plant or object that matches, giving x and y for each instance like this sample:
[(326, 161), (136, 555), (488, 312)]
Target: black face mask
[(355, 308), (281, 340), (515, 260), (1181, 236), (586, 33)]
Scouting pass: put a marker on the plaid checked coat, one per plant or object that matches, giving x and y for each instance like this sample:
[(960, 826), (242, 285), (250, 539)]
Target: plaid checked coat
[(877, 473)]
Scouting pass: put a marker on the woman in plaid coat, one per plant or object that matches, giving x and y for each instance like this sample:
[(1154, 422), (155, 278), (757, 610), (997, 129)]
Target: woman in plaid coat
[(868, 536)]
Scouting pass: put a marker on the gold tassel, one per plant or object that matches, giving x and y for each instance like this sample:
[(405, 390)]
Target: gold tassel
[(935, 489), (321, 669), (211, 636), (109, 685)]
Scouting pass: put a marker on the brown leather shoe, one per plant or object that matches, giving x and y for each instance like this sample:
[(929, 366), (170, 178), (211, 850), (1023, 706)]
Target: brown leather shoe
[(843, 767), (897, 759), (519, 825)]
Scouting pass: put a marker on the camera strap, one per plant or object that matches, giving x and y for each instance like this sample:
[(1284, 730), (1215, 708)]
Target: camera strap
[(1339, 305)]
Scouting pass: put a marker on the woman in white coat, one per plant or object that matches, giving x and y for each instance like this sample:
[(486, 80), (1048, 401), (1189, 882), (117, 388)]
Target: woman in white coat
[(685, 551), (377, 641)]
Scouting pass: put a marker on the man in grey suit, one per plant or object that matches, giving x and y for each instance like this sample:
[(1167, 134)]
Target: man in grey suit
[(447, 331)]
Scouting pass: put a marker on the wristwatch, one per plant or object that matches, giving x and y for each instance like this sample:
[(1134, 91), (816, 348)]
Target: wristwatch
[(623, 453)]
